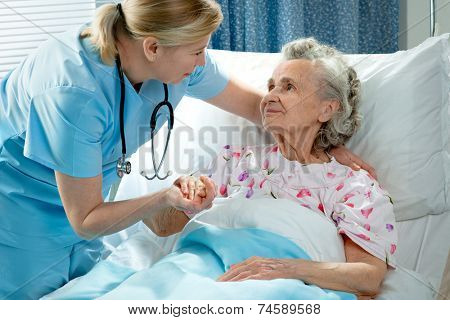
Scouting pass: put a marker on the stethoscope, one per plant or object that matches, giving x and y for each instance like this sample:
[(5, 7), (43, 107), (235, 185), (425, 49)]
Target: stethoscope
[(123, 166)]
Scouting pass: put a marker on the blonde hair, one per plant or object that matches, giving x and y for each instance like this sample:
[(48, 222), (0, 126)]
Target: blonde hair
[(336, 80), (172, 22)]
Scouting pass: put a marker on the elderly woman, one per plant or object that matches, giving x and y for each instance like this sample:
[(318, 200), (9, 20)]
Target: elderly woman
[(312, 106)]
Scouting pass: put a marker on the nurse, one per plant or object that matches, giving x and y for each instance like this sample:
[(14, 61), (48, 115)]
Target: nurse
[(60, 135)]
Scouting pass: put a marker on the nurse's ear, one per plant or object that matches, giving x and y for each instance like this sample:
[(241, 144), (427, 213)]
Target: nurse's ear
[(151, 47)]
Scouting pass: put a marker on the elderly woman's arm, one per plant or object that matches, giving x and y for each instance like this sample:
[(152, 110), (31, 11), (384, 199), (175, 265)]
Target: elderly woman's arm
[(362, 274)]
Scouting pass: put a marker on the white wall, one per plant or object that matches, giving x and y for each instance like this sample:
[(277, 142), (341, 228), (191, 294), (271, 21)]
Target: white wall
[(414, 22)]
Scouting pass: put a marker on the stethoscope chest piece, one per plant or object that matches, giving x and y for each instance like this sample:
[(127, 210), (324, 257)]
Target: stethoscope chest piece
[(123, 166)]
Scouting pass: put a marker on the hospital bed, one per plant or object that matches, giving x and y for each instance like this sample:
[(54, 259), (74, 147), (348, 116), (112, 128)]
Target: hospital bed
[(405, 136)]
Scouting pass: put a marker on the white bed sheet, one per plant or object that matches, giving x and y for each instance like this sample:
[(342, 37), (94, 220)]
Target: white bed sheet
[(424, 246), (421, 255), (299, 225), (143, 249)]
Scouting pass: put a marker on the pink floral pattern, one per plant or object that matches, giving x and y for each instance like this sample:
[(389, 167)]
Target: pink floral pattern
[(363, 236), (366, 212), (340, 186), (321, 208), (223, 190), (304, 193), (347, 196), (352, 200)]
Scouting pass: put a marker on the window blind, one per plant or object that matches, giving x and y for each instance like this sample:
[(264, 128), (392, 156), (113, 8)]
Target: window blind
[(24, 24)]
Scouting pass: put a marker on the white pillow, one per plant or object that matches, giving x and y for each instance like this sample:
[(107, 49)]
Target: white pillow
[(405, 131)]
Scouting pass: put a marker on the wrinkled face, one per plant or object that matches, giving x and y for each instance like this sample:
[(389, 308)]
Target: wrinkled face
[(292, 101), (173, 64)]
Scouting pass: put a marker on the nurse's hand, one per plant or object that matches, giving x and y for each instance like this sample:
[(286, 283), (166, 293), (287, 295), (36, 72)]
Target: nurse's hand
[(349, 159), (181, 197)]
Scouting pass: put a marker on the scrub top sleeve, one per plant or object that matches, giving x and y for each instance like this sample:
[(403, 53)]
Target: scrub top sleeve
[(64, 131), (207, 81)]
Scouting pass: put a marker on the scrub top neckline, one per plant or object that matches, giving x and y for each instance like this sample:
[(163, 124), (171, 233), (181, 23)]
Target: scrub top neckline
[(91, 53)]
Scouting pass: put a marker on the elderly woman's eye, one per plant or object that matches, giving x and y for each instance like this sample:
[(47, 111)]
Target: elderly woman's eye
[(270, 87), (290, 87)]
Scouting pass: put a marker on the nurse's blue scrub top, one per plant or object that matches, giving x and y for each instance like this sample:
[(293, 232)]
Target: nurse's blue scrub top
[(59, 110)]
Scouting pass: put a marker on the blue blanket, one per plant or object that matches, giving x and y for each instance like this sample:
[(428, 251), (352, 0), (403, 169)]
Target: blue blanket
[(190, 272)]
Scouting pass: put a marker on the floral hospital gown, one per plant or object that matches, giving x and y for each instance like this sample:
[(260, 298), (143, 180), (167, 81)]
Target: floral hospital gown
[(353, 200)]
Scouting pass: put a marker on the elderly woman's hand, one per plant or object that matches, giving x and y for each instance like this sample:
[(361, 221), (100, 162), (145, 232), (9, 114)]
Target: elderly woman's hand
[(347, 158), (191, 195), (191, 187), (258, 268)]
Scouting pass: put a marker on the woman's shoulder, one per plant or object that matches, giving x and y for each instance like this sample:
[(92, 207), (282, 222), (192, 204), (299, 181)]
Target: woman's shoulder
[(349, 181), (342, 171)]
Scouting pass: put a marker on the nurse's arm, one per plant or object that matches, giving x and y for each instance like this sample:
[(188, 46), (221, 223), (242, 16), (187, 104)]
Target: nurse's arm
[(240, 99), (90, 217)]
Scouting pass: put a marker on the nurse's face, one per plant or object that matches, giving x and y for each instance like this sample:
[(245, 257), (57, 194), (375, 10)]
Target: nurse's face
[(173, 64)]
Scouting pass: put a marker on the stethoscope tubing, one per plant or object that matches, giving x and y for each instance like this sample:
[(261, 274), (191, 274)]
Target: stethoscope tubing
[(123, 166)]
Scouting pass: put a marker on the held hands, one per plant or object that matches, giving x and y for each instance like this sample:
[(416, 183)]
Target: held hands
[(183, 200), (191, 195), (192, 187)]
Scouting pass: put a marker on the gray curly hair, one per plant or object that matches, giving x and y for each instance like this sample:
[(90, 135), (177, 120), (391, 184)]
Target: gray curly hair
[(337, 81)]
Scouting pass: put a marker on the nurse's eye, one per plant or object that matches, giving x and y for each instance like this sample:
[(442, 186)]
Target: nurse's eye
[(199, 53)]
